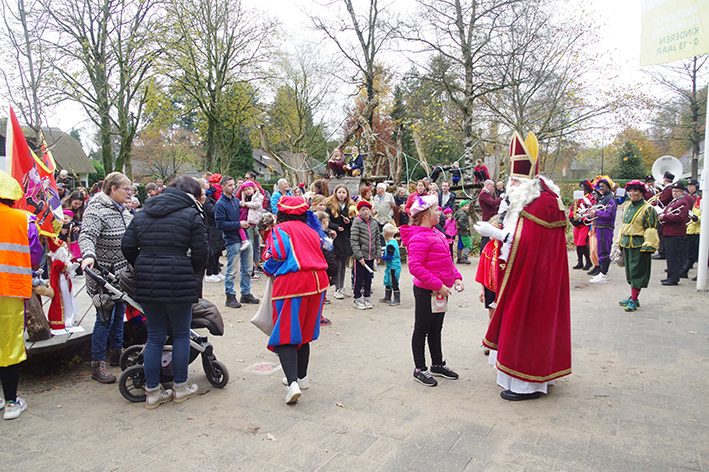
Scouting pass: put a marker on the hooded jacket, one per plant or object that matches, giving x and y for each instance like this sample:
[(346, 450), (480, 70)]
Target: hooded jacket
[(430, 260), (156, 244)]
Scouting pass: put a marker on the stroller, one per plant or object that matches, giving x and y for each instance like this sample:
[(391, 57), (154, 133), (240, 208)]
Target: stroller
[(204, 315)]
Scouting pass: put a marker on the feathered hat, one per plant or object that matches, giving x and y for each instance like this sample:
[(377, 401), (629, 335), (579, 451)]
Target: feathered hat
[(523, 156)]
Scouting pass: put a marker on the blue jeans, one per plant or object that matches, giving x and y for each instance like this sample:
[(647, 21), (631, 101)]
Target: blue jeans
[(113, 334), (178, 317), (246, 262)]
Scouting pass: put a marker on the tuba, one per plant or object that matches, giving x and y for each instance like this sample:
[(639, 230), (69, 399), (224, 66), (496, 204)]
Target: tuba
[(664, 164)]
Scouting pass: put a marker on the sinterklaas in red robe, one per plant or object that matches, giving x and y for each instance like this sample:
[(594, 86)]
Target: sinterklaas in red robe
[(531, 327)]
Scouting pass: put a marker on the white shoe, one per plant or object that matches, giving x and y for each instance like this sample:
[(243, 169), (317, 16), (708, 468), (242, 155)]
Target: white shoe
[(599, 279), (184, 391), (14, 409), (359, 304), (2, 403), (338, 294), (367, 304), (154, 397), (293, 393), (245, 245), (212, 279), (302, 383), (221, 277)]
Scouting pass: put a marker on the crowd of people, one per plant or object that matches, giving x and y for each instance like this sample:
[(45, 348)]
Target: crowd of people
[(308, 239)]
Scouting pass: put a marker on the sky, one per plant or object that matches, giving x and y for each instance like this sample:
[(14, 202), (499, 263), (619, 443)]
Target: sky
[(620, 37)]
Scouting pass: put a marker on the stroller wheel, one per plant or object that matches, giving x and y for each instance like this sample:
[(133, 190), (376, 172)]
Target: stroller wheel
[(132, 383), (131, 356), (217, 373)]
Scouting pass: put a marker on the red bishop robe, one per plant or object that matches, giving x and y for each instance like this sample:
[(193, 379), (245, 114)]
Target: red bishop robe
[(531, 327)]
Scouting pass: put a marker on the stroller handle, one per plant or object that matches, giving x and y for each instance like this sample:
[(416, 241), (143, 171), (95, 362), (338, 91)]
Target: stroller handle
[(105, 284), (100, 280)]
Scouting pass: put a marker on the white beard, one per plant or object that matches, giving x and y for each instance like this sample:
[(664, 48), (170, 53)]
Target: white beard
[(522, 195)]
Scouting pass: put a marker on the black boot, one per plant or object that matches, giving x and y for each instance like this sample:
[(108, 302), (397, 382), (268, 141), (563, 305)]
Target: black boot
[(587, 255), (397, 298), (579, 255), (387, 296), (595, 271), (231, 301)]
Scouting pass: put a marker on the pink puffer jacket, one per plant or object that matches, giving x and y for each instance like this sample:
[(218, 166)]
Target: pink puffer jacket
[(429, 257)]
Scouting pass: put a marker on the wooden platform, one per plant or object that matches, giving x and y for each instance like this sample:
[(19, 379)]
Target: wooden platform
[(85, 319)]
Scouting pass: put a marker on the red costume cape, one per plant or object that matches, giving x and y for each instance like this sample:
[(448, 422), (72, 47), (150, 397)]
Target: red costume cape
[(531, 327), (55, 314)]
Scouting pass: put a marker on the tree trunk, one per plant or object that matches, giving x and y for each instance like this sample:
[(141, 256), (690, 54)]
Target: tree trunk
[(420, 151)]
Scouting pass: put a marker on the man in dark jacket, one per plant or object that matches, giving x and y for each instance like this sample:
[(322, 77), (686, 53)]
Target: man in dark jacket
[(489, 206), (446, 198), (227, 214)]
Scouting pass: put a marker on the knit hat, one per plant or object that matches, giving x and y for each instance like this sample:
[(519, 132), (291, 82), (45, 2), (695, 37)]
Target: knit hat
[(447, 210), (292, 205), (68, 212), (635, 184), (463, 203), (248, 183), (363, 203), (9, 188), (423, 203)]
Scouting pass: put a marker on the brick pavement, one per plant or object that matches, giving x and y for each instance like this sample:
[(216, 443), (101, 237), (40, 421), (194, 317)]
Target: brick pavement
[(636, 399)]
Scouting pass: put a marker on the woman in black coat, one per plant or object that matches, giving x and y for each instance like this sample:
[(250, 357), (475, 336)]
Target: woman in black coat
[(156, 244), (338, 209), (216, 241)]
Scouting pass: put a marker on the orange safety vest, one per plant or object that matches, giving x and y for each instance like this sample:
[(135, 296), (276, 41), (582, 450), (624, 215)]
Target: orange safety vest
[(15, 262)]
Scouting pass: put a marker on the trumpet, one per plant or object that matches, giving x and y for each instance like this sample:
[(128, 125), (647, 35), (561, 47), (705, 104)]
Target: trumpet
[(585, 214), (674, 211)]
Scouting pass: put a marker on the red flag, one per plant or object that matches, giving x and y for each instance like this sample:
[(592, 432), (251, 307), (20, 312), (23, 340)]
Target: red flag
[(35, 175)]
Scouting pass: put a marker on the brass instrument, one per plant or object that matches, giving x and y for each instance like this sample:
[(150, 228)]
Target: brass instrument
[(585, 214)]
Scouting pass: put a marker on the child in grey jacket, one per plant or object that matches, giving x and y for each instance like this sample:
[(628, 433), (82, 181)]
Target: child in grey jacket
[(366, 248)]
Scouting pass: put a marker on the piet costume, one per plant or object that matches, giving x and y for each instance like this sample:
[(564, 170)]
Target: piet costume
[(639, 240), (295, 260), (530, 332), (62, 311)]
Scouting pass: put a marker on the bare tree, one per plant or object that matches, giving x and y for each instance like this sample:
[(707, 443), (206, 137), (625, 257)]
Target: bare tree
[(689, 104), (213, 45), (360, 38), (25, 25), (106, 49)]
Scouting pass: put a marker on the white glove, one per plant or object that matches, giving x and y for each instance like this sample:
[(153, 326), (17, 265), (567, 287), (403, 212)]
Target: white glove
[(486, 229), (503, 207)]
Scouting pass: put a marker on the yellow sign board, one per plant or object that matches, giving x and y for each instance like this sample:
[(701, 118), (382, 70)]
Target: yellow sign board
[(673, 30)]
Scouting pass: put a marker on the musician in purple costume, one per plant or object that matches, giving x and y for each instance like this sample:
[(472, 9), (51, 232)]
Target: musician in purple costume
[(603, 226)]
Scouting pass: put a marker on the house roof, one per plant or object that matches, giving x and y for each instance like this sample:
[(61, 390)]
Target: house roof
[(66, 150), (264, 159)]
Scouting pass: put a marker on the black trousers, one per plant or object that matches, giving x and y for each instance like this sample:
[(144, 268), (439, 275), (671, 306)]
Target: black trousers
[(692, 245), (294, 361), (10, 378), (674, 251), (363, 279), (213, 263), (427, 325)]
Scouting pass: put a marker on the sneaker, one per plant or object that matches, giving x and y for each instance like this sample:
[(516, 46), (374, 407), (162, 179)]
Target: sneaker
[(245, 245), (443, 371), (185, 391), (154, 397), (324, 321), (302, 383), (212, 279), (359, 304), (221, 277), (367, 303), (599, 279), (632, 306), (100, 373), (255, 277), (338, 294), (628, 300), (326, 301), (292, 393), (248, 298), (2, 403), (14, 409), (425, 377)]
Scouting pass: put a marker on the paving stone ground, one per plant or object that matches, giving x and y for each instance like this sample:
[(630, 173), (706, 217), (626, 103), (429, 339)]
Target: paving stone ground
[(636, 400)]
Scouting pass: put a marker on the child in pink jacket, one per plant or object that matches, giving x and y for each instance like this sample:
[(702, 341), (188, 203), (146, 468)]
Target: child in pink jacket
[(431, 265)]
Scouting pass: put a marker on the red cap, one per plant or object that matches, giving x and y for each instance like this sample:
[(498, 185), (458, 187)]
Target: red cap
[(363, 203), (293, 205)]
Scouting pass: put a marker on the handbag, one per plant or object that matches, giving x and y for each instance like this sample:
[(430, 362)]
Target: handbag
[(617, 255), (263, 319)]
